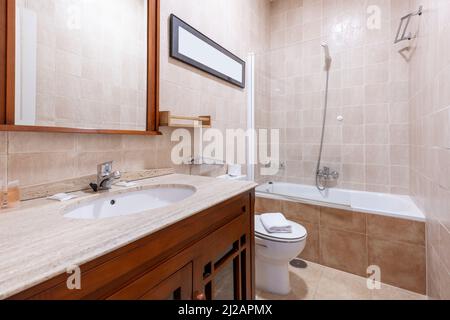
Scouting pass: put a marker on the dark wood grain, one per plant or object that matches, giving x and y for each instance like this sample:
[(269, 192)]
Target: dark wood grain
[(2, 61), (10, 60), (76, 130), (153, 66), (180, 280)]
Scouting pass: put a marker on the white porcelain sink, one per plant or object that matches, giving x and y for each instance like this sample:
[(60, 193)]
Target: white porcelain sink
[(130, 203)]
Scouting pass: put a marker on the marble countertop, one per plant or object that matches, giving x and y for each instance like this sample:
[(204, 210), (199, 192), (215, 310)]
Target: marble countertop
[(38, 243)]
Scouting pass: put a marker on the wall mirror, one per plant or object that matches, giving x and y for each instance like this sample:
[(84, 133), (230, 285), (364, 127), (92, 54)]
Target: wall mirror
[(190, 46), (80, 65)]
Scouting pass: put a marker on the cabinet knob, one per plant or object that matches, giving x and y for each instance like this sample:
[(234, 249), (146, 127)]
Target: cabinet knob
[(199, 296)]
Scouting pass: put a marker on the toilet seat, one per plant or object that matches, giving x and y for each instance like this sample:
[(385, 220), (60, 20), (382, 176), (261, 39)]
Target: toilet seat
[(298, 234)]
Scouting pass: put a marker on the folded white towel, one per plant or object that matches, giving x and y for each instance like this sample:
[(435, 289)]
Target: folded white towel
[(276, 223)]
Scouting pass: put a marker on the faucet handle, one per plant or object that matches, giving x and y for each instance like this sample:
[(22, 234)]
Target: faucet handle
[(116, 175), (94, 187), (105, 169), (335, 175)]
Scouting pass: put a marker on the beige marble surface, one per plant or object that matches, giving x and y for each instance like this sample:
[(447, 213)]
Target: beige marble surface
[(37, 243), (82, 183)]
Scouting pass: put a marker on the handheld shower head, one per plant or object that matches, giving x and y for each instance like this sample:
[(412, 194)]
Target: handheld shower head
[(328, 59)]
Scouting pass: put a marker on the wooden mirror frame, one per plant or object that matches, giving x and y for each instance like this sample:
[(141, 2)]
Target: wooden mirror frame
[(7, 76)]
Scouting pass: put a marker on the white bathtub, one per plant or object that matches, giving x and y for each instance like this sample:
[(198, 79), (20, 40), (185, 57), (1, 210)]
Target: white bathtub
[(367, 202)]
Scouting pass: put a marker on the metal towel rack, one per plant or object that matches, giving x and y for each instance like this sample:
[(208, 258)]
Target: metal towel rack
[(404, 24)]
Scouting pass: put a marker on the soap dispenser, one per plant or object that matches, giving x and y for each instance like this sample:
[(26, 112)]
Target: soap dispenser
[(13, 194), (3, 195)]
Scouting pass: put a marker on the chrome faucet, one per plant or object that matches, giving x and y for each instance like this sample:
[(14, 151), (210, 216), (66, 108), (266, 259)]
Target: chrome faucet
[(327, 174), (105, 177)]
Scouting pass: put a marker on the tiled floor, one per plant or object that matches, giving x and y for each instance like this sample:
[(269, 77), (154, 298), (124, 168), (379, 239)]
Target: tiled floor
[(316, 282)]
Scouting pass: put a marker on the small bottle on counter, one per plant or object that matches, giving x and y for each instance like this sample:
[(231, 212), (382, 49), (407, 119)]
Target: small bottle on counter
[(13, 194), (3, 195)]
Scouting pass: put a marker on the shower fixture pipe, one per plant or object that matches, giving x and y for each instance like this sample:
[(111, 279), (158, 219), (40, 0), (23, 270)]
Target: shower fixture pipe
[(325, 174)]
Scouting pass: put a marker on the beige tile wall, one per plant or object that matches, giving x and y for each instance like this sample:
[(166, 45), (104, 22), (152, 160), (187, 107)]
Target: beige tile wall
[(368, 87), (430, 137), (92, 63), (240, 26), (36, 158)]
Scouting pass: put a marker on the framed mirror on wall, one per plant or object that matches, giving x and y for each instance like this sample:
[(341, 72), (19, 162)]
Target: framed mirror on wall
[(79, 66), (192, 47)]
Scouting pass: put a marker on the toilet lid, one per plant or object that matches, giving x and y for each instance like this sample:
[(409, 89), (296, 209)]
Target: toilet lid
[(298, 232)]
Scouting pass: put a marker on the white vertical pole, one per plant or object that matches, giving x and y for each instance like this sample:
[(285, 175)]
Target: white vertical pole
[(251, 161)]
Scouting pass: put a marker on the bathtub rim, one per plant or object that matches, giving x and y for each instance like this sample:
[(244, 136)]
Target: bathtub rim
[(272, 196)]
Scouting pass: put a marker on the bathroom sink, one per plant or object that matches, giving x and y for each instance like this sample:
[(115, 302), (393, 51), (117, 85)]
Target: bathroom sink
[(130, 203)]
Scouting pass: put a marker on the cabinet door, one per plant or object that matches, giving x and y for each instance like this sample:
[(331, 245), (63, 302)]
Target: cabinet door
[(225, 282), (225, 263), (169, 281), (176, 287)]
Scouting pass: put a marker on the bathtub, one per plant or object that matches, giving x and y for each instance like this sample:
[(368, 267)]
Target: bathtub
[(395, 206)]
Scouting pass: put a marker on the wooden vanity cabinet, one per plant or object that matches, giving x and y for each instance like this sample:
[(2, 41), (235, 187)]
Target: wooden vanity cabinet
[(207, 256), (177, 286)]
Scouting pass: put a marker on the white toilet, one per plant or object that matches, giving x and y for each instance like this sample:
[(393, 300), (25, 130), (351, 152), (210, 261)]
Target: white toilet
[(274, 251)]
